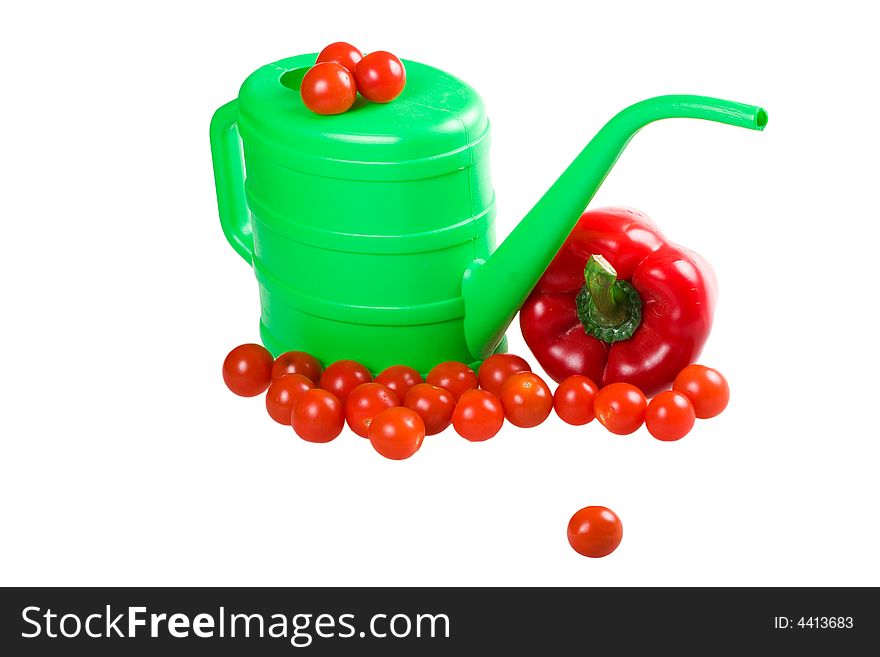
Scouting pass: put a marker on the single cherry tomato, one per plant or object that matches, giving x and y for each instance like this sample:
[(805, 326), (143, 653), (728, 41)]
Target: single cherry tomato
[(620, 407), (478, 415), (297, 362), (399, 378), (573, 399), (670, 416), (595, 531), (454, 377), (496, 368), (380, 77), (342, 53), (706, 388), (317, 416), (397, 433), (526, 399), (434, 405), (247, 370), (328, 88), (343, 376), (283, 393), (365, 402)]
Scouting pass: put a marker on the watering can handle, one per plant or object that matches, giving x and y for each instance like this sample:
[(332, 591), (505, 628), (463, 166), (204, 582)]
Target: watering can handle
[(229, 180)]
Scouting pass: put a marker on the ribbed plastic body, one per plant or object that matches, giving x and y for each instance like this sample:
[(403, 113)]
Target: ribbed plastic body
[(360, 226)]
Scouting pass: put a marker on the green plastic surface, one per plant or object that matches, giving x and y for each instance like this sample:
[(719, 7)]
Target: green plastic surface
[(371, 232)]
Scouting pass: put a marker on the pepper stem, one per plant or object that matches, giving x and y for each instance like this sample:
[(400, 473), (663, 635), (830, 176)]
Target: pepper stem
[(609, 309), (601, 277)]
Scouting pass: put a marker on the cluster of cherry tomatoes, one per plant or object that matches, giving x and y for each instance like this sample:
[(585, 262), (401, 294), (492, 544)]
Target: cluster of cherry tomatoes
[(341, 71), (397, 409), (697, 392)]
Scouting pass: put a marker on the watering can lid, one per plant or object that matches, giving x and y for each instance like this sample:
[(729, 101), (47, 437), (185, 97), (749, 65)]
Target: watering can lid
[(438, 124)]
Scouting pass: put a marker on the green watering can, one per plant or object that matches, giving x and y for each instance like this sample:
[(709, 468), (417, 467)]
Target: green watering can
[(372, 232)]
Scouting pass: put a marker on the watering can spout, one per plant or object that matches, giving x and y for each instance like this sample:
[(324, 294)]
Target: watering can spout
[(494, 289)]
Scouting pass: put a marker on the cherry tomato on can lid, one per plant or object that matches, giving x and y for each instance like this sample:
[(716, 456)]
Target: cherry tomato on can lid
[(342, 53), (380, 76), (328, 88)]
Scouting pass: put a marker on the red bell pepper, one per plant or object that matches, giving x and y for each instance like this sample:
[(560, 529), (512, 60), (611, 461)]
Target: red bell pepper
[(620, 303)]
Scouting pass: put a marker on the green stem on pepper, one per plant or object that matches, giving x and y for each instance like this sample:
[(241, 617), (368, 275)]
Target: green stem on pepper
[(609, 309)]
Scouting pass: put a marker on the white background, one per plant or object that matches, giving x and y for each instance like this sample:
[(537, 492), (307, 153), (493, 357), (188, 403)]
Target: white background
[(126, 461)]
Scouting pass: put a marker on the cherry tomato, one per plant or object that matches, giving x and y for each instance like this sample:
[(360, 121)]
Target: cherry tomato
[(595, 531), (297, 362), (283, 393), (317, 416), (706, 388), (478, 415), (526, 399), (573, 399), (343, 376), (247, 370), (397, 433), (670, 416), (434, 405), (365, 402), (380, 77), (496, 368), (620, 407), (328, 88), (342, 53), (454, 377), (399, 378)]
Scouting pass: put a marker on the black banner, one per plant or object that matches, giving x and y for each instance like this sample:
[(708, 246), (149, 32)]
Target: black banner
[(435, 621)]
